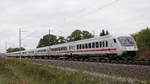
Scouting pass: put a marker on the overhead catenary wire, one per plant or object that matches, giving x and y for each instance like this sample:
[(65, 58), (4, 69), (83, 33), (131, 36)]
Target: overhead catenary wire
[(81, 13)]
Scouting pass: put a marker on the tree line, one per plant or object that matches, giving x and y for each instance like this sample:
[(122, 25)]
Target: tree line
[(50, 39), (142, 39)]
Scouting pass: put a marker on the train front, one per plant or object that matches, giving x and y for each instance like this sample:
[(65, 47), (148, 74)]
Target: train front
[(128, 46)]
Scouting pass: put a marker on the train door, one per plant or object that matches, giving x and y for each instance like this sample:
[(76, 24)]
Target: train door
[(113, 46)]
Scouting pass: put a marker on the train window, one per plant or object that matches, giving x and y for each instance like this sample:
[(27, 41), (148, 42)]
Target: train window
[(106, 43), (62, 48), (115, 41), (53, 49), (89, 45), (100, 44), (93, 45), (65, 48), (103, 44), (86, 45), (82, 46), (77, 46), (97, 45)]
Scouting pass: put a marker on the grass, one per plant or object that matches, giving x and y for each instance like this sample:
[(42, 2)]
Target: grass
[(13, 71)]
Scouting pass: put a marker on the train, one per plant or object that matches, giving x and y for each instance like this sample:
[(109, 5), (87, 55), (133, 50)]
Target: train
[(102, 47)]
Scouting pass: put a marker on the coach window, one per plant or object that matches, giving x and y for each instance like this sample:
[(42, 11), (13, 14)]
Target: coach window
[(82, 46), (52, 49), (86, 45), (115, 41), (64, 48), (93, 45), (77, 46), (100, 44), (97, 45), (103, 44), (89, 45), (106, 43)]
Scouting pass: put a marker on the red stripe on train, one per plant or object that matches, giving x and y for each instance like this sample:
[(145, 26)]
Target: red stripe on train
[(95, 50), (81, 51)]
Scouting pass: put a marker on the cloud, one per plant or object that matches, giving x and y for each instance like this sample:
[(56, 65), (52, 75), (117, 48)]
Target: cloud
[(64, 16)]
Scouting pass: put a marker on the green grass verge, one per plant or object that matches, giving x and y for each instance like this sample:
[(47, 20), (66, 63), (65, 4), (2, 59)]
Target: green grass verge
[(13, 71)]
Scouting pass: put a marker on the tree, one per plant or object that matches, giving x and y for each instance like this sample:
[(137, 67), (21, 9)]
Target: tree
[(79, 35), (75, 35), (50, 39), (103, 33), (143, 38), (47, 40), (86, 35), (61, 39), (14, 49)]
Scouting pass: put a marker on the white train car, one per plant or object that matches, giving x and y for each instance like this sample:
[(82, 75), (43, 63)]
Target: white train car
[(110, 46)]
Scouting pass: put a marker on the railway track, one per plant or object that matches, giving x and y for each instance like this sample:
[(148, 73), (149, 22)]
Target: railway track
[(139, 72), (129, 62)]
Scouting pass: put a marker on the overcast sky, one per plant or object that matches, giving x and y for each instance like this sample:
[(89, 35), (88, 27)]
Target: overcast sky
[(35, 17)]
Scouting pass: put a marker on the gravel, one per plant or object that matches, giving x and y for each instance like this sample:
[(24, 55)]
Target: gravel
[(121, 70)]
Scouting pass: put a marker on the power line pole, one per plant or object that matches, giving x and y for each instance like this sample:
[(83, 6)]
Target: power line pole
[(49, 36), (20, 42), (6, 46), (49, 31)]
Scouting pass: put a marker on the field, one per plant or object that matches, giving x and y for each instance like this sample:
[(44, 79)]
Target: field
[(13, 71)]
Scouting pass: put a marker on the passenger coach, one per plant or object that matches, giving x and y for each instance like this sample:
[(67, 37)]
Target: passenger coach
[(110, 46)]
